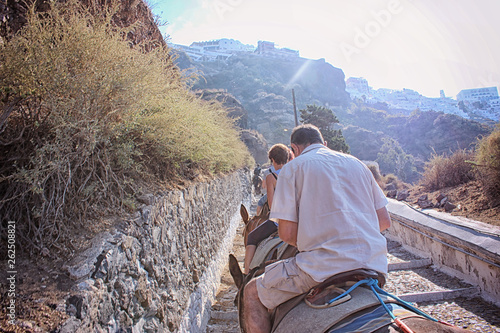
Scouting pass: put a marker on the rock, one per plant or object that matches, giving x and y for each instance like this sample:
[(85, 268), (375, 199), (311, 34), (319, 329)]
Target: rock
[(392, 193), (440, 197), (74, 306), (390, 187), (448, 207), (425, 204), (86, 285), (196, 276), (71, 325), (423, 197), (147, 199), (402, 195)]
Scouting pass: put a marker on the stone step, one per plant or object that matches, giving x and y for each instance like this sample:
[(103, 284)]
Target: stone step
[(436, 296), (224, 315), (214, 328), (398, 266)]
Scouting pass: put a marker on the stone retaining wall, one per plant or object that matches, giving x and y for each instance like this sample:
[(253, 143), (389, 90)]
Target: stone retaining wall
[(159, 272)]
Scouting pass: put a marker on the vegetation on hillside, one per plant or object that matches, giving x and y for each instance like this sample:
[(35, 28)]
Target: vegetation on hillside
[(245, 75), (393, 159), (445, 171), (86, 119), (264, 87), (488, 163), (325, 120), (463, 166), (372, 131)]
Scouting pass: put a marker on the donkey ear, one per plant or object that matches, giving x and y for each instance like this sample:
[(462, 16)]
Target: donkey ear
[(244, 214), (235, 270)]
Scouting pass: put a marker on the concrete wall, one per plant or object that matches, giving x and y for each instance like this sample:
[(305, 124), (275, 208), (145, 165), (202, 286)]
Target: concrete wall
[(463, 248), (160, 271)]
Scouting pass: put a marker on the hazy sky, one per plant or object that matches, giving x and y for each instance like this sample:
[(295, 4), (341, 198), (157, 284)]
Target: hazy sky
[(424, 45)]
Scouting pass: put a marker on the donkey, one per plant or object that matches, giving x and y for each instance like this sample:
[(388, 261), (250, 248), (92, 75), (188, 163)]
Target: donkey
[(348, 302)]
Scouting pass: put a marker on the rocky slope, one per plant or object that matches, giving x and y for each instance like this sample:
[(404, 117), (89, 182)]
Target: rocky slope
[(130, 12), (469, 201), (264, 87)]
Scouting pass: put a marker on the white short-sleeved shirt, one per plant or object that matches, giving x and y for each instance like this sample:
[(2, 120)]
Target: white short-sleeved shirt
[(333, 197)]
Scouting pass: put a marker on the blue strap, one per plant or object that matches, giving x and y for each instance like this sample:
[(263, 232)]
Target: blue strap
[(373, 284)]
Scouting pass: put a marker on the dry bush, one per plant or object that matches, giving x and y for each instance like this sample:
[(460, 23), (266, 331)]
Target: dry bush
[(376, 174), (85, 117), (488, 162), (442, 171), (392, 181)]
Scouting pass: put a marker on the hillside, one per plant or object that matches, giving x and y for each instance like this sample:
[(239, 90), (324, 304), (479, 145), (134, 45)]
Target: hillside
[(263, 86), (95, 115), (469, 198)]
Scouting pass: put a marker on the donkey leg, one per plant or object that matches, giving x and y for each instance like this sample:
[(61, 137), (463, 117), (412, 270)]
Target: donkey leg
[(257, 318)]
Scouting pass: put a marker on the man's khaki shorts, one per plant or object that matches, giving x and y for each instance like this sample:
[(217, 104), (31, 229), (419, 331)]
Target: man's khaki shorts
[(282, 281)]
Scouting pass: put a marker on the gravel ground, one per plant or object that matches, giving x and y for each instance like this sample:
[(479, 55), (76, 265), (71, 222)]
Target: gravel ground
[(473, 314)]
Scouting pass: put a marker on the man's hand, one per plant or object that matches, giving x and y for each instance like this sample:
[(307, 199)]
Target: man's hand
[(287, 230)]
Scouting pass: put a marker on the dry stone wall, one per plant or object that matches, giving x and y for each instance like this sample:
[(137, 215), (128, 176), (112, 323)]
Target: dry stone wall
[(159, 272)]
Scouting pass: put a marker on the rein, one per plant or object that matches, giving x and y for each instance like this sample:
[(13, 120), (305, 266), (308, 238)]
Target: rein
[(373, 284)]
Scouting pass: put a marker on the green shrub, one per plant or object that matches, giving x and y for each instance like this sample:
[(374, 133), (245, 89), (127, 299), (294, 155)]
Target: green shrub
[(392, 158), (488, 161), (441, 171), (86, 118)]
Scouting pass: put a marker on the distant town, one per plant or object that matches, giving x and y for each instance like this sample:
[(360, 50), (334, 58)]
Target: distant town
[(478, 103), (223, 49), (470, 103)]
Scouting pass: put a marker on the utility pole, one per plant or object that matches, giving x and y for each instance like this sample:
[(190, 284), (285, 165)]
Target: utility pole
[(295, 108)]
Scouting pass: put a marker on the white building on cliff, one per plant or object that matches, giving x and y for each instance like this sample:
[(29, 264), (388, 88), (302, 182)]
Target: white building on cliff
[(404, 100), (217, 49), (483, 102), (222, 49)]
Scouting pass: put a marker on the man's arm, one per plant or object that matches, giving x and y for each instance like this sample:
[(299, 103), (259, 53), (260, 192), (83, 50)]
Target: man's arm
[(270, 189), (287, 230), (384, 220)]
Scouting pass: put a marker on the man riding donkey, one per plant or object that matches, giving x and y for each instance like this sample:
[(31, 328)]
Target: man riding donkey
[(330, 207)]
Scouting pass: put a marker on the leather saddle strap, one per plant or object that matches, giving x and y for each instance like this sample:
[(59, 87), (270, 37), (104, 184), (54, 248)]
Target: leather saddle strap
[(339, 279), (353, 275)]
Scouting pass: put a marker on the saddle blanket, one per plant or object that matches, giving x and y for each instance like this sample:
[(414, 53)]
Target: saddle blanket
[(303, 318), (372, 320), (264, 250)]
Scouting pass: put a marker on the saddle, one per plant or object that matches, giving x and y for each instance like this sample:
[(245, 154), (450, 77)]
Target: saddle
[(339, 280), (265, 250)]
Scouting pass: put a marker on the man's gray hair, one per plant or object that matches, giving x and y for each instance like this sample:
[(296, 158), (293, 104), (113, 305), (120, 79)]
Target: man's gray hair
[(306, 134)]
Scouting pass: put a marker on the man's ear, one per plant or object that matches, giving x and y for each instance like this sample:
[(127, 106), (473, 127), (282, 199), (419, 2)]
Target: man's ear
[(326, 144)]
